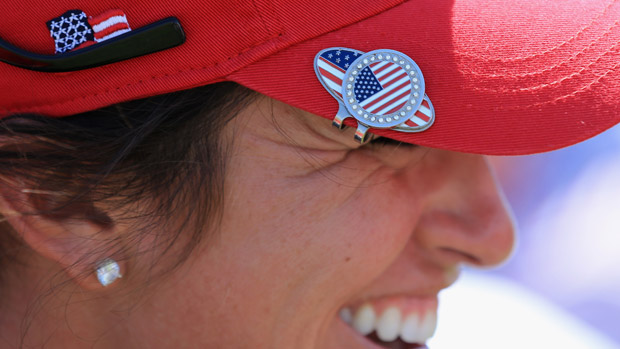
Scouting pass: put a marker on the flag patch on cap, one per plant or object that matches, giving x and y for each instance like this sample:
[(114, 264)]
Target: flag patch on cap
[(70, 30), (109, 24), (74, 29)]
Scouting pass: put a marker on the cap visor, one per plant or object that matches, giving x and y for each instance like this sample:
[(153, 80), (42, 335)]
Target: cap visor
[(504, 78)]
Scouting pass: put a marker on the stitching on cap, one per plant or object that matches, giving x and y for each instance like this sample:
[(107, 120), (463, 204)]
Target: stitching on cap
[(545, 70), (260, 15), (262, 19), (152, 77), (583, 89), (514, 59), (557, 82)]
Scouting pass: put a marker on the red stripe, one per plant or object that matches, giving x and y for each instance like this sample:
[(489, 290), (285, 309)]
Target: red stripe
[(422, 116), (393, 80), (386, 95), (401, 105), (383, 68), (411, 123), (109, 30), (331, 64), (396, 108), (330, 76), (104, 16), (390, 98)]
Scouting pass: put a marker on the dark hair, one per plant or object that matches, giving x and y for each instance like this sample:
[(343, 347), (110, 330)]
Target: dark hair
[(167, 149)]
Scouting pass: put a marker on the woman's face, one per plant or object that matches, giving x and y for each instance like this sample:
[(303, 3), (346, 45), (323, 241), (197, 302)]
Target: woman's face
[(318, 231)]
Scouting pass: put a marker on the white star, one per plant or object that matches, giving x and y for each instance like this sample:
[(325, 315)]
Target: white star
[(338, 53), (346, 65), (330, 55), (355, 54), (337, 60), (346, 57)]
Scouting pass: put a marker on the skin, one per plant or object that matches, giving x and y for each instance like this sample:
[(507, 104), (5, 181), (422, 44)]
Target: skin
[(311, 222)]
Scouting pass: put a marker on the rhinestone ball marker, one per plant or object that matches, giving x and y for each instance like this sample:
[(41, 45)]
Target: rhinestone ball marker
[(384, 88), (381, 89)]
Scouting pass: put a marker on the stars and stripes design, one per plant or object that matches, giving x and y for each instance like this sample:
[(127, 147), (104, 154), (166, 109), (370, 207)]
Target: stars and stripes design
[(332, 65), (70, 30), (109, 24), (74, 30), (422, 117), (382, 88)]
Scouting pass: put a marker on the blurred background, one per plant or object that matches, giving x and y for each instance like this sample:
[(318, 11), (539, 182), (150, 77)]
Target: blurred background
[(561, 288)]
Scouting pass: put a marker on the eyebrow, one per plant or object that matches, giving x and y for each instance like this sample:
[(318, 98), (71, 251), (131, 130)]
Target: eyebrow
[(155, 37)]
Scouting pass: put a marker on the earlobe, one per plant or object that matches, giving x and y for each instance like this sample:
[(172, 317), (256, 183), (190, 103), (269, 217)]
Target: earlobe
[(73, 238)]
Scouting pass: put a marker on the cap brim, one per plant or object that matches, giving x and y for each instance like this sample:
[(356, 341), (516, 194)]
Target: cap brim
[(505, 79)]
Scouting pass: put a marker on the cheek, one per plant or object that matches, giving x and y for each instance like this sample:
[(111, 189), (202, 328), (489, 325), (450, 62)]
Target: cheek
[(301, 248), (375, 227), (319, 234)]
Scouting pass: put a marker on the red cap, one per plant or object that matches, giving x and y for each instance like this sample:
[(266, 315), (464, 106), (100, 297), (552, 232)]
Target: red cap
[(504, 78)]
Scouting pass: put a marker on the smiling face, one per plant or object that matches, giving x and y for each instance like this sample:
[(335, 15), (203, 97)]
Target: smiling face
[(318, 231)]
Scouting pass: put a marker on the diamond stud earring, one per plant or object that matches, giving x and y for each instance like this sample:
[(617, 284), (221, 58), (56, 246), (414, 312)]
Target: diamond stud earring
[(108, 271)]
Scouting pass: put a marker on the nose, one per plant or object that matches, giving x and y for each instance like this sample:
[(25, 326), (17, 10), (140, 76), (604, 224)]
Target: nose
[(466, 219)]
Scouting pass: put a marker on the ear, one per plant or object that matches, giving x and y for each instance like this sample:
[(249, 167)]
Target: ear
[(74, 236)]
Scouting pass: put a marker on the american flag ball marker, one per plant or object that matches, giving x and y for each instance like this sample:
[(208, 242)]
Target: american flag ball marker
[(383, 87), (380, 89)]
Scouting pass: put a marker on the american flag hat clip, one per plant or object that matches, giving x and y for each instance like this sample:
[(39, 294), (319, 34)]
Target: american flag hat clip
[(381, 89)]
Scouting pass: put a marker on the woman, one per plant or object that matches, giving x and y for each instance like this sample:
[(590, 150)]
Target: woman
[(224, 216)]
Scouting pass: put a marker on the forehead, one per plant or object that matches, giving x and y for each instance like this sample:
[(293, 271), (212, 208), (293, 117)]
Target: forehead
[(279, 122)]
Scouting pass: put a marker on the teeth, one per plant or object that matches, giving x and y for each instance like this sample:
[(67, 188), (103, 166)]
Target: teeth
[(346, 315), (388, 325), (414, 331), (427, 329), (409, 331), (413, 328), (364, 320)]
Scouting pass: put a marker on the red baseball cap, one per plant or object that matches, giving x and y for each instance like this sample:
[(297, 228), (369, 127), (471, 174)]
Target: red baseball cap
[(503, 77)]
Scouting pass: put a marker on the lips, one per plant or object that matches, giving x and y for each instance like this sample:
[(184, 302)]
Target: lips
[(394, 322)]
